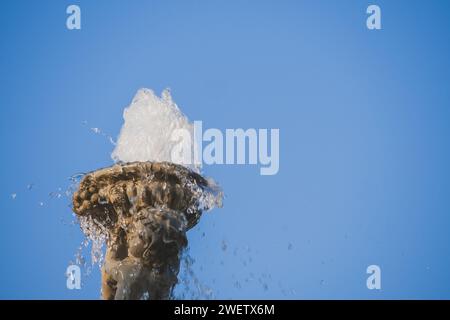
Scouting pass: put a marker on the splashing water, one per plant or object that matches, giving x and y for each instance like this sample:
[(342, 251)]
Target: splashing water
[(189, 285), (147, 136), (100, 132), (95, 234), (148, 131)]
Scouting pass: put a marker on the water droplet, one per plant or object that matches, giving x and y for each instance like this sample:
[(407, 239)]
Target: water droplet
[(111, 140), (224, 246)]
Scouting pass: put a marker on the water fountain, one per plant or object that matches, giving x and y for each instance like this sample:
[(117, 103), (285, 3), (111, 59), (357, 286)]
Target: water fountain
[(143, 209)]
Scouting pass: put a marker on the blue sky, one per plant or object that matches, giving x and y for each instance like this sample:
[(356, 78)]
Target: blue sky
[(364, 138)]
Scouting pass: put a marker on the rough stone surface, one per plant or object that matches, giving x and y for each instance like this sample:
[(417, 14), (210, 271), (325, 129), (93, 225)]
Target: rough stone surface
[(145, 209)]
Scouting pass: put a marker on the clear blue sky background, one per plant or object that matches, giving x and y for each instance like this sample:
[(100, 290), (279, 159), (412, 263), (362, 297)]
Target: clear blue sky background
[(364, 138)]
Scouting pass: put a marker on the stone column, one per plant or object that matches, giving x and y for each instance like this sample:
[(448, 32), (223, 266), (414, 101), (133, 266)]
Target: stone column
[(144, 210)]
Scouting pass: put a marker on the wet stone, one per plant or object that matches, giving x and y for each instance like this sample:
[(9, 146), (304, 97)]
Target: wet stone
[(143, 210)]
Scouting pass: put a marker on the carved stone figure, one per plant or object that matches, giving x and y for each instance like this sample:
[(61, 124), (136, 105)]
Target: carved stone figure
[(144, 209)]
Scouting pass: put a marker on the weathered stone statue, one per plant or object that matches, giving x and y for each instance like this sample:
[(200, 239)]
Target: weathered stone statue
[(144, 209)]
